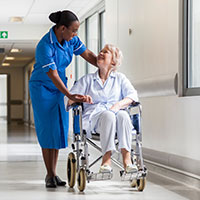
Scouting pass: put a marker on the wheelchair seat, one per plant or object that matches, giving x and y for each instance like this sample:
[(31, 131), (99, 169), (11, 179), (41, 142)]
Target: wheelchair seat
[(95, 136)]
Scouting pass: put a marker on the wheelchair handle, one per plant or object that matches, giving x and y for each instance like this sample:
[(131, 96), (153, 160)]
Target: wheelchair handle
[(77, 104)]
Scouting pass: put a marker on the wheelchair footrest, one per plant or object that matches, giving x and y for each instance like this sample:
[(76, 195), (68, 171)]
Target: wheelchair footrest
[(128, 176), (132, 175), (100, 176)]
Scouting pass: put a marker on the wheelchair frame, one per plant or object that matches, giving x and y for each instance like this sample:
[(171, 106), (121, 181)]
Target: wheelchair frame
[(78, 160)]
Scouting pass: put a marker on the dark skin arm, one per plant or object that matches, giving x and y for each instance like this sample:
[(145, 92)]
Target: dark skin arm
[(90, 57), (53, 75)]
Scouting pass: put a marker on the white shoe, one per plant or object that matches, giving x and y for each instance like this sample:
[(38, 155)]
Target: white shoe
[(105, 168), (130, 168)]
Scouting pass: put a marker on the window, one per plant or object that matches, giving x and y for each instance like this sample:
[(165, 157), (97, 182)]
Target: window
[(192, 47), (102, 30), (92, 38), (80, 62), (92, 34)]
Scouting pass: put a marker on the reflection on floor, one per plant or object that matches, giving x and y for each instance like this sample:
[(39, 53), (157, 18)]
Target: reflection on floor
[(22, 175)]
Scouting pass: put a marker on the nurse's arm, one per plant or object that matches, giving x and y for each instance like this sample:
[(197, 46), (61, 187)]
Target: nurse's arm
[(53, 75), (90, 57)]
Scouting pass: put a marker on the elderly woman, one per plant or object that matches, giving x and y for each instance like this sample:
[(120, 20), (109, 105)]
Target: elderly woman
[(109, 93)]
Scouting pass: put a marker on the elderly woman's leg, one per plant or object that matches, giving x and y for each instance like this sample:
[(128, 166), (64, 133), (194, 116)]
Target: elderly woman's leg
[(106, 127), (106, 158), (126, 157), (124, 134)]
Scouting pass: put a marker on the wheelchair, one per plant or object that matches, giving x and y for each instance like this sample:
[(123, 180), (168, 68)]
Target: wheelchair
[(78, 160)]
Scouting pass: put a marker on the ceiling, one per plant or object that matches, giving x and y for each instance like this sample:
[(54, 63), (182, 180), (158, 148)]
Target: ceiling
[(26, 34)]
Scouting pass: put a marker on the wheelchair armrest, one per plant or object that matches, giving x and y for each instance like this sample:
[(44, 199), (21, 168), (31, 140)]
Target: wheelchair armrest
[(134, 104), (134, 108)]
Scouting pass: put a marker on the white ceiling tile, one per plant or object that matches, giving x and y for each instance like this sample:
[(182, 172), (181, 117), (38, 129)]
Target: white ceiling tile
[(37, 19), (4, 19), (15, 7), (47, 6), (81, 3)]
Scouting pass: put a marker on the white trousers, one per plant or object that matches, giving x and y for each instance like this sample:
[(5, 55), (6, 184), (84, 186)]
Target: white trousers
[(110, 123)]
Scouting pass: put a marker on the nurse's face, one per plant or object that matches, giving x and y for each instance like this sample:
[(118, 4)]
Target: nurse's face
[(71, 31), (104, 59)]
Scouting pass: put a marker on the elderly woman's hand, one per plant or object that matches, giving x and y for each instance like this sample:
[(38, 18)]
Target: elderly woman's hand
[(88, 99), (116, 107)]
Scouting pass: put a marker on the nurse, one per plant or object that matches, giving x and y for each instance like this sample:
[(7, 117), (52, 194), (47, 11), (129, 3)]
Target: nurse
[(48, 86)]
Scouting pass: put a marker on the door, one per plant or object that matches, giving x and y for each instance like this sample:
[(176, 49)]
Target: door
[(3, 97)]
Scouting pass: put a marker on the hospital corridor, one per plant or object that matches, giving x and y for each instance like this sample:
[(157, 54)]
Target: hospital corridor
[(133, 67)]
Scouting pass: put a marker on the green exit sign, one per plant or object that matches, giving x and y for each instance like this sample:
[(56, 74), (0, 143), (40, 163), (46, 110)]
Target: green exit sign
[(4, 34)]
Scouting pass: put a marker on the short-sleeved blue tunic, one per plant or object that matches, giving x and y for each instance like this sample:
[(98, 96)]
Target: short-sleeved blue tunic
[(51, 119)]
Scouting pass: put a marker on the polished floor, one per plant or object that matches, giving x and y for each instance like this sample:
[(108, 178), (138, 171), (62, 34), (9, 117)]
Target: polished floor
[(22, 175)]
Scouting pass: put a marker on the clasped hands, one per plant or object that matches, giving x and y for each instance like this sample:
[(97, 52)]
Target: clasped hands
[(88, 99)]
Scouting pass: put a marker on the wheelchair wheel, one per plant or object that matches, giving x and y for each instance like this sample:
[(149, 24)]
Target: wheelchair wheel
[(71, 170), (81, 180), (141, 182), (134, 183)]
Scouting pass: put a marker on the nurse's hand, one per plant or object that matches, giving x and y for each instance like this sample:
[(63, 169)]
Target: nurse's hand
[(76, 97)]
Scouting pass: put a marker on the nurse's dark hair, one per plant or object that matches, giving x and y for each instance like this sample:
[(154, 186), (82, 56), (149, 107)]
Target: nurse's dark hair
[(64, 17)]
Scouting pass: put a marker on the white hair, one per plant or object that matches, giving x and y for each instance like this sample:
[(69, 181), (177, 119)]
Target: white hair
[(116, 55)]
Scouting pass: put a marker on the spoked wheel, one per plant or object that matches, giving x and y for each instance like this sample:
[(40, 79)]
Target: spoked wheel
[(71, 170), (141, 182), (81, 180)]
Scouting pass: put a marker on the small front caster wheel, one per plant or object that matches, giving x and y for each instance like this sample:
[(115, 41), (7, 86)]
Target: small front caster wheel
[(81, 180), (141, 182), (134, 183)]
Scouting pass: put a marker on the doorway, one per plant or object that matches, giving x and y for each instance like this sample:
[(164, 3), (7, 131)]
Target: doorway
[(3, 97)]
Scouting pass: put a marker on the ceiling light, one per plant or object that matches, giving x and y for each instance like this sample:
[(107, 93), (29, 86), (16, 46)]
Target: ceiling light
[(5, 64), (15, 50), (16, 19), (10, 58)]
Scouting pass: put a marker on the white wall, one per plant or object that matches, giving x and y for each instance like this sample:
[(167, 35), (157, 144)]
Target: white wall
[(170, 123)]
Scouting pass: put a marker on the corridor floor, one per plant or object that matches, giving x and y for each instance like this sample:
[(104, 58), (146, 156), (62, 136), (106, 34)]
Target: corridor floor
[(22, 175)]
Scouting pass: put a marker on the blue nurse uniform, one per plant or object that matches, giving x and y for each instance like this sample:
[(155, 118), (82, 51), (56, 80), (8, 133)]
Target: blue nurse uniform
[(51, 119)]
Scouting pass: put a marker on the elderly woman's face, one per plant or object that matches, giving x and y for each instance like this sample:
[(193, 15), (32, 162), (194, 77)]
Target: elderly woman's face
[(104, 58)]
